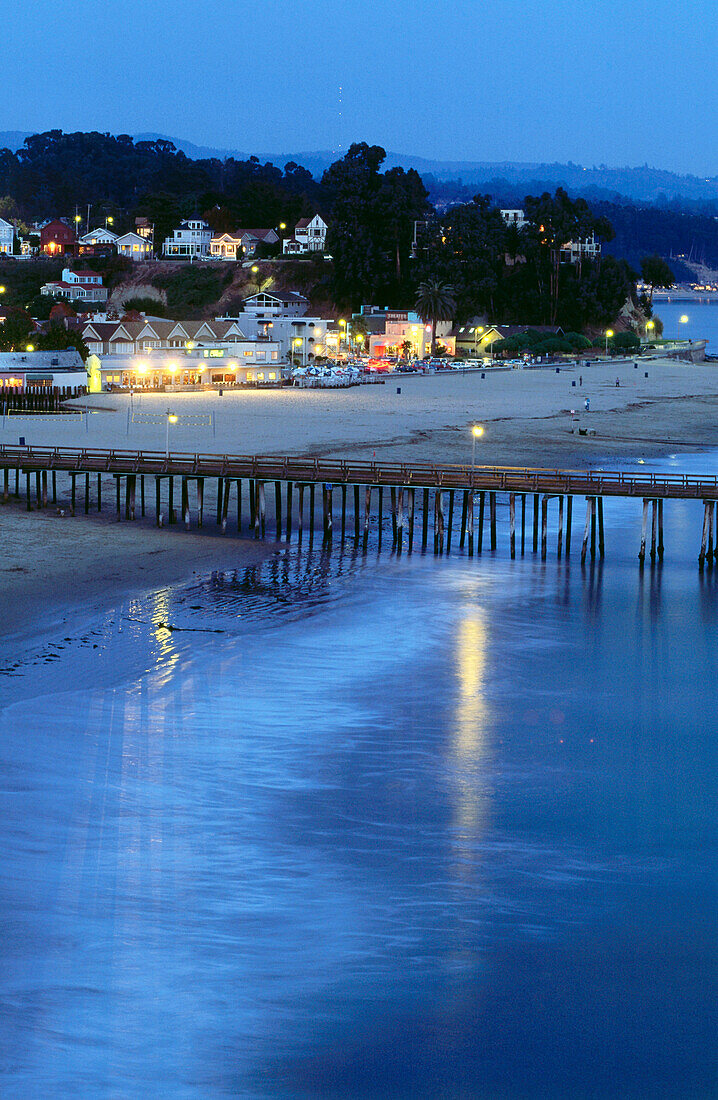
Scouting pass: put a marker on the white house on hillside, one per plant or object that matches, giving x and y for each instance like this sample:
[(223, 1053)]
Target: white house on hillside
[(7, 237), (134, 247), (191, 238), (98, 236), (310, 235), (86, 285), (514, 217)]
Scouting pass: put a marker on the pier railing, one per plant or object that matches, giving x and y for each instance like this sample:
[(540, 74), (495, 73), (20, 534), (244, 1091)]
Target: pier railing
[(519, 479)]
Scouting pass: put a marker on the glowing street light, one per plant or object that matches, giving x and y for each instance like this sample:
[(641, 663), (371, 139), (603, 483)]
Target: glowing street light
[(2, 289), (477, 431), (609, 334), (650, 325), (171, 419), (30, 347), (683, 319)]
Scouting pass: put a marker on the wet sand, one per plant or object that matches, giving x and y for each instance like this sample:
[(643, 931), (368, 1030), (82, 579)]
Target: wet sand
[(51, 566)]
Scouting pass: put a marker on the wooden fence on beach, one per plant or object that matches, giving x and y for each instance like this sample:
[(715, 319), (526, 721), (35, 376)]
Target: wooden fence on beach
[(446, 492)]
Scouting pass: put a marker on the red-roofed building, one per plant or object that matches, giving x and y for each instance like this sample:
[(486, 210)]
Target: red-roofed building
[(85, 285), (57, 239)]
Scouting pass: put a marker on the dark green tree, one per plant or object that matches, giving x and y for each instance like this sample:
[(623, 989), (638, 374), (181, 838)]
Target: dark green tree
[(656, 272)]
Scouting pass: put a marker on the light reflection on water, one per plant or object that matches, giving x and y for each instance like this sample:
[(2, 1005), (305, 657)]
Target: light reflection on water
[(351, 826)]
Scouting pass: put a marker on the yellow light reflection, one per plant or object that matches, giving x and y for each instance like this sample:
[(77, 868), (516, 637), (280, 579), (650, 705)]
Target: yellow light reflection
[(469, 741)]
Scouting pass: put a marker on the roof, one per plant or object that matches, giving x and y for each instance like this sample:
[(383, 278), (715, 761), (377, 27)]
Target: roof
[(279, 296), (504, 331), (134, 237), (260, 234), (31, 360)]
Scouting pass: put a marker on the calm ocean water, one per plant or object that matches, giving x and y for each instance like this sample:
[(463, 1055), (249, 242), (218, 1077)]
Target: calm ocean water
[(370, 827), (702, 323)]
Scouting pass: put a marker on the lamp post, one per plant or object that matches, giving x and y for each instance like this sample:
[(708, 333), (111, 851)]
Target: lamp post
[(299, 343), (109, 221), (477, 332), (171, 419), (650, 325), (609, 334), (342, 334), (476, 433)]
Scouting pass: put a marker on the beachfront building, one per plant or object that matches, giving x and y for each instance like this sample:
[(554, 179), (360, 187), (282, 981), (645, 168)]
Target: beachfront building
[(82, 285), (210, 363), (153, 334), (57, 238), (7, 237), (474, 338), (134, 247), (271, 304), (310, 235), (22, 369), (191, 238), (388, 333), (282, 317)]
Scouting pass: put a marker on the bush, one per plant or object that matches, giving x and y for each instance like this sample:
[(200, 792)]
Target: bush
[(625, 341), (151, 306), (578, 341)]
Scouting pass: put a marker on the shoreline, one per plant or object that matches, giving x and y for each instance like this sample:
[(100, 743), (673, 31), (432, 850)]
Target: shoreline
[(58, 568)]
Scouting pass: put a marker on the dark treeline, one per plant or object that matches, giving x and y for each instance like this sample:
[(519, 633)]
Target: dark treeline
[(372, 213)]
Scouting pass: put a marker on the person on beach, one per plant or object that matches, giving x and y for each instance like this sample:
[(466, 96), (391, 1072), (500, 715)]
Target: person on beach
[(587, 404), (580, 379), (618, 383)]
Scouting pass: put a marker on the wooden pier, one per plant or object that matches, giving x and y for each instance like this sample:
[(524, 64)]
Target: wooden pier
[(545, 494)]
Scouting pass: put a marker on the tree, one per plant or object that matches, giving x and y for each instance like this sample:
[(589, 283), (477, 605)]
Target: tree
[(656, 272), (435, 301), (17, 331), (370, 224), (625, 341)]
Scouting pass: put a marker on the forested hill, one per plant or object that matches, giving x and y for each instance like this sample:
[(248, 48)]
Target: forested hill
[(55, 174), (640, 183)]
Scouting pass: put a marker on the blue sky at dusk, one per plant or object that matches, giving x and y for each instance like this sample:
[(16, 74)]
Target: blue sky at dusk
[(594, 81)]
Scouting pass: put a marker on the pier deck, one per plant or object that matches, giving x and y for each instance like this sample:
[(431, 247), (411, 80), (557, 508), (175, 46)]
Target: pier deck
[(368, 481)]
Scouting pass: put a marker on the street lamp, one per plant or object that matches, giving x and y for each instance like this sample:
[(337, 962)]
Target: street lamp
[(609, 334), (171, 419), (30, 347), (476, 433), (2, 289), (683, 319), (298, 343), (650, 325), (477, 332), (109, 221)]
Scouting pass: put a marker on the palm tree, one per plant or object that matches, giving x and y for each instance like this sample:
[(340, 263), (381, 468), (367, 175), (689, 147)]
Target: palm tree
[(435, 301)]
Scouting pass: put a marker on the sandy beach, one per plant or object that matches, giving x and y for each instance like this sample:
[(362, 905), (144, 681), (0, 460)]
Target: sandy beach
[(527, 416)]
